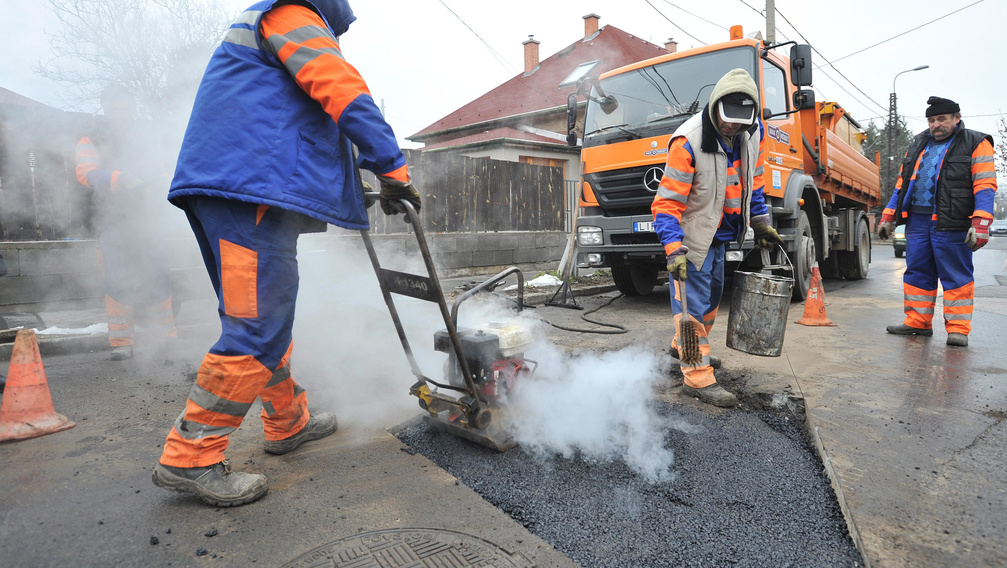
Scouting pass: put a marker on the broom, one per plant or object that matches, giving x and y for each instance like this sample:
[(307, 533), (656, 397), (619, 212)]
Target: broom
[(688, 337)]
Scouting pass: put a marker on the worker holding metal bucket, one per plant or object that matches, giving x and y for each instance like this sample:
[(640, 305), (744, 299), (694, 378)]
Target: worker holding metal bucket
[(268, 154), (711, 192)]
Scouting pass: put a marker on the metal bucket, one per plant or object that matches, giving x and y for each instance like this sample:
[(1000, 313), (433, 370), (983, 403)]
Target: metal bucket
[(758, 317)]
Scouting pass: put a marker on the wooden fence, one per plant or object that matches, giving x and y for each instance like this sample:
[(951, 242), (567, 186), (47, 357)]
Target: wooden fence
[(467, 195)]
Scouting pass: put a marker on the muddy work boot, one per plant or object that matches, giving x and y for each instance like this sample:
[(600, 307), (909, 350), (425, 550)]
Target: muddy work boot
[(319, 426), (121, 353), (714, 360), (903, 329), (713, 394), (958, 340), (215, 484)]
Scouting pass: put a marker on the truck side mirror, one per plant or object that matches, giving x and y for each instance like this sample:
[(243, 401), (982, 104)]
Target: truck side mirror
[(804, 98), (571, 119), (800, 65)]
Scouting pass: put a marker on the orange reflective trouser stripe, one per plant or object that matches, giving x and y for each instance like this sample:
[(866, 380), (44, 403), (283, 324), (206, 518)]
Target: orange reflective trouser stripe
[(958, 309), (700, 376), (120, 322), (251, 256), (919, 306), (162, 320), (284, 403)]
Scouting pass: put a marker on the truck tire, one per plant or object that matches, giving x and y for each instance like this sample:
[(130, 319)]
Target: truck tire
[(635, 280), (855, 264), (803, 258)]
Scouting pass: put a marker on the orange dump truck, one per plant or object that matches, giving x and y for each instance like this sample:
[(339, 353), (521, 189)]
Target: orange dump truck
[(818, 185)]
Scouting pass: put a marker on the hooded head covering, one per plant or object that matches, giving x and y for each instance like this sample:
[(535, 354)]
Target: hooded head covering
[(740, 98), (337, 13), (939, 105)]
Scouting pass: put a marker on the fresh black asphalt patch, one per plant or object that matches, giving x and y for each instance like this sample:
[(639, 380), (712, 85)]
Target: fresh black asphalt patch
[(748, 490)]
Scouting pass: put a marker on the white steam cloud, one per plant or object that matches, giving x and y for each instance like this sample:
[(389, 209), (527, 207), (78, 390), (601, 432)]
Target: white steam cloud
[(596, 405)]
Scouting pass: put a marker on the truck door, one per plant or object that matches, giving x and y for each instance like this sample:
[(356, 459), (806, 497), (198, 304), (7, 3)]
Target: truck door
[(782, 133)]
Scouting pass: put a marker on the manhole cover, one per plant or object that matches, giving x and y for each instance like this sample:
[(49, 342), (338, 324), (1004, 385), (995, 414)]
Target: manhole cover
[(413, 548)]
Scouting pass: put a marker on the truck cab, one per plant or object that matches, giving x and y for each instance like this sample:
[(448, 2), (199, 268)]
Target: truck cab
[(630, 116)]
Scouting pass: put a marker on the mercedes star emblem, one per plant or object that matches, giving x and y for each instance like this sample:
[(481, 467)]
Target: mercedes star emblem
[(652, 179)]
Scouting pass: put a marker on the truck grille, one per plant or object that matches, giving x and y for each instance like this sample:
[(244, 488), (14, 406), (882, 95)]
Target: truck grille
[(622, 191), (636, 239)]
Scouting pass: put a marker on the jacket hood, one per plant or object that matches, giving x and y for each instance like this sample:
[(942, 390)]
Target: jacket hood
[(735, 81), (337, 13)]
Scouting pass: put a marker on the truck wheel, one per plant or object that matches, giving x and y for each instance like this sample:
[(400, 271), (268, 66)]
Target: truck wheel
[(803, 257), (856, 263), (898, 254), (634, 280)]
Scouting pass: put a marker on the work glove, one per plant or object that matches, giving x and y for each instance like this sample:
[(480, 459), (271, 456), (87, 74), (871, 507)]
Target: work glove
[(368, 190), (765, 235), (886, 227), (392, 191), (123, 181), (678, 267), (979, 233)]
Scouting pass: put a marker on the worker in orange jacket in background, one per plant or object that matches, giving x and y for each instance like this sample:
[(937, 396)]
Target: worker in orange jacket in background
[(944, 195), (269, 154), (117, 160)]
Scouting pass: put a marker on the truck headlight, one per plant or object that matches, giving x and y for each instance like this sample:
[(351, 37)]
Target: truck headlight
[(589, 236)]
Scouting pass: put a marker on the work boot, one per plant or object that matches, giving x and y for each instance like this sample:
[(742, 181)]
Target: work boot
[(121, 353), (903, 329), (958, 340), (714, 360), (319, 426), (713, 394), (215, 484)]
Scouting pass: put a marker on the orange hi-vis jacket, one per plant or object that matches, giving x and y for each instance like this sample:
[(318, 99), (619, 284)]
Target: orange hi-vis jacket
[(277, 114)]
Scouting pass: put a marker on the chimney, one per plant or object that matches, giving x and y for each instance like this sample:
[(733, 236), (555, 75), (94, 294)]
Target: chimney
[(530, 54), (591, 25), (671, 45)]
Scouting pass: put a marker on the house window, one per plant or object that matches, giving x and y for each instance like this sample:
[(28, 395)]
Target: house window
[(581, 71)]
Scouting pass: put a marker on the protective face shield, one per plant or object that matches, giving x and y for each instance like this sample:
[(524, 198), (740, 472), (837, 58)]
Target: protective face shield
[(736, 108)]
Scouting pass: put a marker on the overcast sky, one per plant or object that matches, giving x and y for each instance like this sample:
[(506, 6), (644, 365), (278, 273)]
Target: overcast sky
[(423, 61)]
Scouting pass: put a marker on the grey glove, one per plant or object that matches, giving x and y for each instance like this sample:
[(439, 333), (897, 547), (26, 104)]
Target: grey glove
[(885, 229), (393, 191), (678, 266), (765, 235)]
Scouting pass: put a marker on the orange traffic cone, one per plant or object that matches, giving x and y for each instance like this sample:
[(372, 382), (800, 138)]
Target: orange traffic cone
[(26, 410), (814, 305)]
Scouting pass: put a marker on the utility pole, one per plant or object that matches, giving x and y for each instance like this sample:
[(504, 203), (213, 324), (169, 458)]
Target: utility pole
[(770, 22)]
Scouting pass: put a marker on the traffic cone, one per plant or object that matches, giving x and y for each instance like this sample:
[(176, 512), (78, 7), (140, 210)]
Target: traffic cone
[(26, 410), (814, 305)]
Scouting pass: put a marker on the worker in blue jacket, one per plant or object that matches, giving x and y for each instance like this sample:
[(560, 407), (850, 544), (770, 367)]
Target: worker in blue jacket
[(269, 154)]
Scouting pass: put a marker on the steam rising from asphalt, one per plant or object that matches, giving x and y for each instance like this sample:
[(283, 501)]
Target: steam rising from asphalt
[(595, 405)]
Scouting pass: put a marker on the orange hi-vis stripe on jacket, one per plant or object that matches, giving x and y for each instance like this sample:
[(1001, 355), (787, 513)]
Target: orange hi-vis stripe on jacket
[(282, 119)]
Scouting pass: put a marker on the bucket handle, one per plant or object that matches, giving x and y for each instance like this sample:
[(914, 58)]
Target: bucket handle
[(766, 261)]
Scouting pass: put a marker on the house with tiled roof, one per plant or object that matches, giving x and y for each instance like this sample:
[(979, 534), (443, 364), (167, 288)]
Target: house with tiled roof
[(524, 119)]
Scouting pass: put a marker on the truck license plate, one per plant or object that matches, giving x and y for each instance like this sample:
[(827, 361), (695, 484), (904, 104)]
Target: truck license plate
[(643, 227)]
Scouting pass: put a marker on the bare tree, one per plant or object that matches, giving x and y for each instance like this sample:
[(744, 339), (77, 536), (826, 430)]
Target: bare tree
[(157, 48)]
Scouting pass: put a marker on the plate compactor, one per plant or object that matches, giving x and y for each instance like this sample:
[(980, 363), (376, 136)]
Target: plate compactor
[(467, 402)]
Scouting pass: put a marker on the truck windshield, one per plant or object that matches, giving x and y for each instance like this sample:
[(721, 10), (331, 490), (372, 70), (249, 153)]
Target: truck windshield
[(656, 99)]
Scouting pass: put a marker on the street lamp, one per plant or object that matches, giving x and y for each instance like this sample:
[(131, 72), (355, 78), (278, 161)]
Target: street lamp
[(893, 118)]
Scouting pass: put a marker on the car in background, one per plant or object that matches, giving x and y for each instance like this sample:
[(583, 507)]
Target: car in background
[(999, 227), (899, 241)]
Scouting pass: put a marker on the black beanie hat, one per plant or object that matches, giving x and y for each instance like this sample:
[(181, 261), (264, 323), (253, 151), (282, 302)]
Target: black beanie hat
[(941, 106)]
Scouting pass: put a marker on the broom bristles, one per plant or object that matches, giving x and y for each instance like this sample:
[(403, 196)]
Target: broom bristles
[(689, 342)]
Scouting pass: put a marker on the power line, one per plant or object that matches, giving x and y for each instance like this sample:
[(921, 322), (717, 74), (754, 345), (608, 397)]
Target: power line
[(882, 107), (693, 15), (673, 23), (498, 57), (907, 31)]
